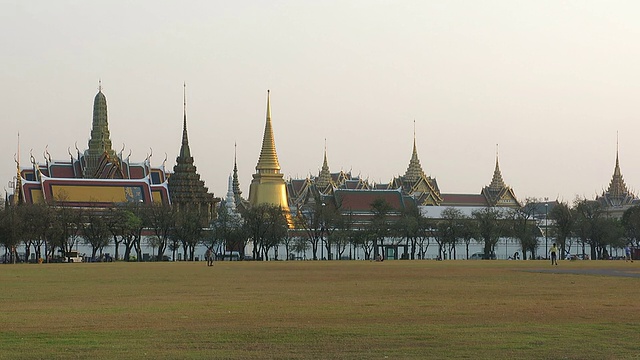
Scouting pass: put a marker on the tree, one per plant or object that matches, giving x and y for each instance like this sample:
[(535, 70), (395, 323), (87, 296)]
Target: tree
[(408, 227), (11, 230), (95, 232), (451, 228), (227, 232), (131, 228), (189, 230), (379, 226), (631, 224), (300, 246), (331, 221), (469, 231), (161, 219), (490, 228), (309, 218), (277, 229), (522, 227), (38, 224), (66, 226), (596, 229), (563, 218), (116, 218), (424, 236)]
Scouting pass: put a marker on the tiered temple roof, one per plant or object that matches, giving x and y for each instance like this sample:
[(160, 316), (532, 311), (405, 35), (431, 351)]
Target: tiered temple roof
[(498, 193), (617, 194), (324, 181), (416, 183)]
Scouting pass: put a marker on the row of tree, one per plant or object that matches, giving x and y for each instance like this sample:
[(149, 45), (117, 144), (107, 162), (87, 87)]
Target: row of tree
[(52, 230), (585, 223)]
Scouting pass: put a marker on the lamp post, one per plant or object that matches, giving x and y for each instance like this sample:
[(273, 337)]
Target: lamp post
[(322, 231), (546, 226)]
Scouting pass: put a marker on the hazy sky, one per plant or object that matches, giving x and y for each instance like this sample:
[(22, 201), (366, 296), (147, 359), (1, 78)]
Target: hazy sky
[(551, 82)]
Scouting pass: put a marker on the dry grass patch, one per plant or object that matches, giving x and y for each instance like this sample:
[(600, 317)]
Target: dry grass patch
[(314, 310)]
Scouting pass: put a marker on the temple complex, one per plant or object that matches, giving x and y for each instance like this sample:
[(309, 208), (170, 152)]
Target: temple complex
[(186, 189), (354, 195), (268, 185), (97, 177)]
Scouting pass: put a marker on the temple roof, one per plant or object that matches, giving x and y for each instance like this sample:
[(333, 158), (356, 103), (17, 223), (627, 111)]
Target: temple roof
[(324, 179), (498, 193), (496, 182), (617, 193), (464, 200), (414, 171), (361, 200), (617, 187)]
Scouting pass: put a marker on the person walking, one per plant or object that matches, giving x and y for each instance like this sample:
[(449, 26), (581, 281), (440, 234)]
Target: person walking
[(627, 254), (209, 257), (554, 254)]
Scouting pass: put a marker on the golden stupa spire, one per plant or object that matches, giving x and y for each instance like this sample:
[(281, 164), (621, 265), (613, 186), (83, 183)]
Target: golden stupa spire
[(268, 161), (268, 186)]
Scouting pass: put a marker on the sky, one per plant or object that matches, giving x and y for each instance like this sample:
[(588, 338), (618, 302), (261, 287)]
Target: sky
[(553, 85)]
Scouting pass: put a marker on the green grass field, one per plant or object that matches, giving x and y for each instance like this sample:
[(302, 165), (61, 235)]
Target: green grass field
[(321, 310)]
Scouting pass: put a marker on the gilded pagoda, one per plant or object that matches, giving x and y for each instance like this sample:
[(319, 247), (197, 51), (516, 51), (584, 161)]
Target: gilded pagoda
[(268, 185)]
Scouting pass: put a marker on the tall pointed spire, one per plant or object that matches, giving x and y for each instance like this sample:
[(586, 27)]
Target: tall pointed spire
[(236, 183), (497, 183), (186, 189), (324, 178), (185, 152), (268, 161), (617, 187), (414, 171), (268, 186)]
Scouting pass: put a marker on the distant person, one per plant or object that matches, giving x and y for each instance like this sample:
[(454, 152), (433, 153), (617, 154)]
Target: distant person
[(554, 254), (627, 254), (209, 257)]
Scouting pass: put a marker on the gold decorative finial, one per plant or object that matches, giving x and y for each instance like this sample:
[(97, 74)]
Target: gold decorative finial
[(99, 85)]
